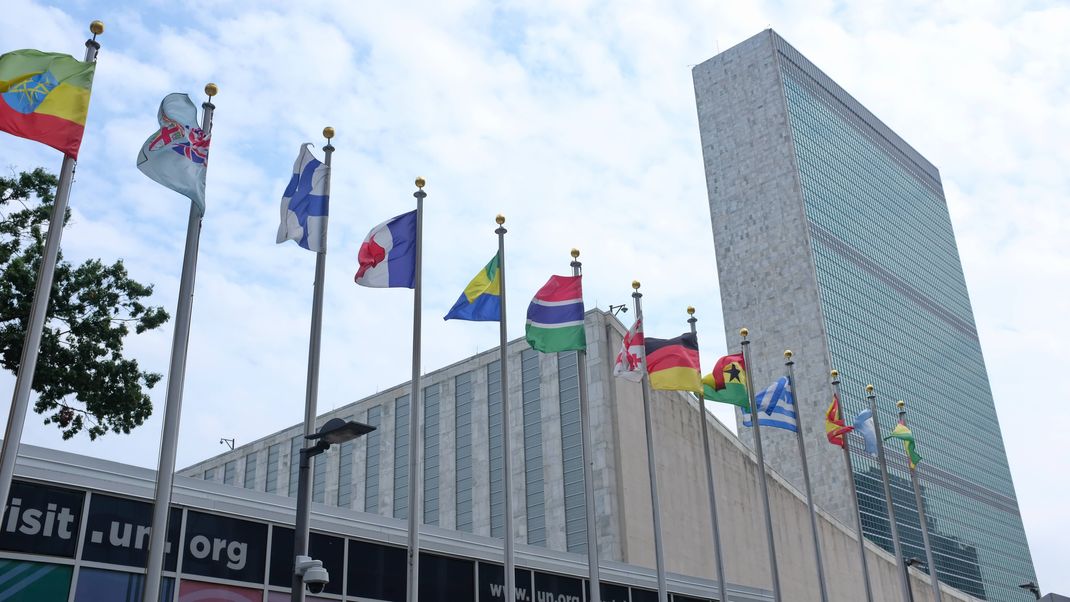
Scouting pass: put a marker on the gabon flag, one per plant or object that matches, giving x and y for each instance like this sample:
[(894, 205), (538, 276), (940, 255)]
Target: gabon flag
[(673, 364), (44, 97)]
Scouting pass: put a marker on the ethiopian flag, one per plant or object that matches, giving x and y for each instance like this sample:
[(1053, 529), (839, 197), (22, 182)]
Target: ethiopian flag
[(728, 382), (44, 96), (481, 300), (902, 433)]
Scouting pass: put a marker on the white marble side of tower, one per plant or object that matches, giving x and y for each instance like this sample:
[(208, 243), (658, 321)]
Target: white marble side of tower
[(765, 264)]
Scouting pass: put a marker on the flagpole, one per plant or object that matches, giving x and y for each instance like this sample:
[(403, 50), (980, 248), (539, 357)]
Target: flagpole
[(756, 425), (176, 379), (934, 580), (304, 491), (508, 574), (722, 587), (31, 345), (588, 461), (904, 579), (806, 475), (416, 439), (854, 493), (659, 555)]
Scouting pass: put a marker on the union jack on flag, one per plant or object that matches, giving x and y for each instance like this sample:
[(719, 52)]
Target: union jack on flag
[(629, 361)]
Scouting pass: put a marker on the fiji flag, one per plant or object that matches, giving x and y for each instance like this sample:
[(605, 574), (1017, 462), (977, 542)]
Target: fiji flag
[(176, 156), (305, 202), (481, 300)]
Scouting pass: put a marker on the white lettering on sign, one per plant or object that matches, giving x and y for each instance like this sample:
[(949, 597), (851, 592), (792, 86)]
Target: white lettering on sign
[(33, 521), (125, 535), (201, 547)]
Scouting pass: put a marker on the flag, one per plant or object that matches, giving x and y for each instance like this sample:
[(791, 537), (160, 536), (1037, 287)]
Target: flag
[(777, 404), (835, 428), (629, 362), (555, 316), (864, 426), (903, 433), (481, 300), (388, 254), (673, 364), (176, 156), (305, 203), (44, 97), (728, 382)]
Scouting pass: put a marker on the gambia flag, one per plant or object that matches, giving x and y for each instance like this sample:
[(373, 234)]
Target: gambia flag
[(44, 96), (555, 316), (673, 364), (903, 433), (728, 382)]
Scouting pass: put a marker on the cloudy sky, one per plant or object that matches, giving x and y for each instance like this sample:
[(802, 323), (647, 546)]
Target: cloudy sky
[(575, 119)]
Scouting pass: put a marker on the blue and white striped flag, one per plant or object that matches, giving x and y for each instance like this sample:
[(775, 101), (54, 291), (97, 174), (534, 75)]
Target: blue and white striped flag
[(776, 406), (305, 202), (864, 426)]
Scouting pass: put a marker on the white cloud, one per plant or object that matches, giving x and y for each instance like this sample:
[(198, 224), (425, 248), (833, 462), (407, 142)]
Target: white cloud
[(577, 121)]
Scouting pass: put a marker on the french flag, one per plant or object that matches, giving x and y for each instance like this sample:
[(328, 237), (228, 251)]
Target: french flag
[(388, 254)]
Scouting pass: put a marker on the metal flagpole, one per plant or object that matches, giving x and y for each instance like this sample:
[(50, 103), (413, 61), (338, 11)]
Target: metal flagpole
[(508, 574), (588, 460), (854, 493), (933, 578), (773, 571), (722, 587), (31, 345), (304, 491), (806, 475), (904, 578), (416, 439), (176, 380), (659, 554)]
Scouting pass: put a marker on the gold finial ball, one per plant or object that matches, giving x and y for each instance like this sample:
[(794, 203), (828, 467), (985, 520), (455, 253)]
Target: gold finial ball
[(575, 253), (328, 132), (788, 354), (635, 285), (211, 90), (690, 310), (869, 388), (899, 404), (499, 219), (96, 27), (420, 182), (834, 374), (743, 332)]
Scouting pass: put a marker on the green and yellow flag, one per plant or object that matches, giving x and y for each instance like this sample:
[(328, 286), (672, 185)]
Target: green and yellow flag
[(44, 96), (902, 433), (728, 382)]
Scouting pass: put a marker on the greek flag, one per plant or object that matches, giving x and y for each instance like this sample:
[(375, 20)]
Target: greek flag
[(304, 204), (776, 406)]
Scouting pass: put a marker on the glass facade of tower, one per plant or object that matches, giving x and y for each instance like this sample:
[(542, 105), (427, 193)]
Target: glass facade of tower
[(890, 280)]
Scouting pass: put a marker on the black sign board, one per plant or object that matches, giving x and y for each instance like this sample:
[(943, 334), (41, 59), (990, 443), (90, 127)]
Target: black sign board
[(642, 595), (329, 550), (679, 598), (376, 571), (610, 592), (117, 532), (492, 587), (556, 588), (444, 579), (225, 548), (41, 519)]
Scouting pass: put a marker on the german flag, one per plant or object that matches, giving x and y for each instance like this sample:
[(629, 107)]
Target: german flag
[(673, 364)]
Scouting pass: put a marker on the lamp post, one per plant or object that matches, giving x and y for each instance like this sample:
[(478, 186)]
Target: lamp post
[(333, 431)]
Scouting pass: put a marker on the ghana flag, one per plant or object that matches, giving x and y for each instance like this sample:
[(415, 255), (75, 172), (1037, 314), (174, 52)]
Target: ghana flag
[(673, 363), (44, 96), (728, 382)]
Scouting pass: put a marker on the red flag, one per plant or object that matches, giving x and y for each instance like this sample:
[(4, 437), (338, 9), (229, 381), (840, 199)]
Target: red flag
[(835, 428)]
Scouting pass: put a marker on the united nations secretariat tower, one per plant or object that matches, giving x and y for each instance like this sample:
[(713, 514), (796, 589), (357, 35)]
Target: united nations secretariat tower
[(833, 239)]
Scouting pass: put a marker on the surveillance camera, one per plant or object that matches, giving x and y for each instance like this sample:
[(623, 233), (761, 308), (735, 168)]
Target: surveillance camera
[(316, 578), (312, 573)]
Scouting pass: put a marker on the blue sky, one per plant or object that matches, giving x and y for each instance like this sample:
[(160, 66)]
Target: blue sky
[(577, 121)]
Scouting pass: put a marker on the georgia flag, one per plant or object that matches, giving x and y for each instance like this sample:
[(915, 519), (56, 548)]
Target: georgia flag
[(629, 362), (387, 256)]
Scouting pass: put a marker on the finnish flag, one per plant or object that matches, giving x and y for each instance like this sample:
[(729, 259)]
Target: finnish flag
[(305, 202)]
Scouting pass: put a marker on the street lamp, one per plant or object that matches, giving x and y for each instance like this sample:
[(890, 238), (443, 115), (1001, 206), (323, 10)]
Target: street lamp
[(333, 431), (1032, 588)]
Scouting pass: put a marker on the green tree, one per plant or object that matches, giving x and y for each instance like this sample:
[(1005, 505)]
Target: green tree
[(83, 380)]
